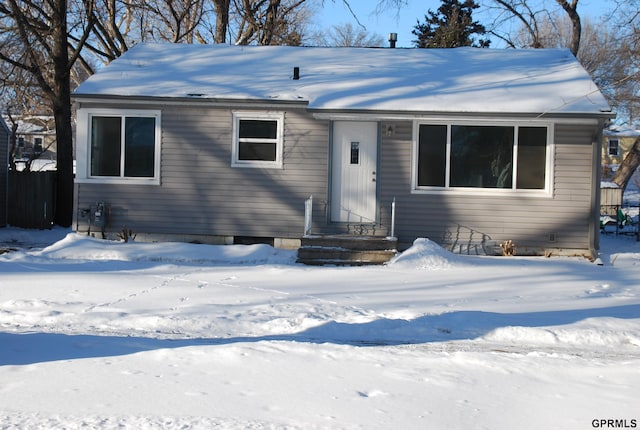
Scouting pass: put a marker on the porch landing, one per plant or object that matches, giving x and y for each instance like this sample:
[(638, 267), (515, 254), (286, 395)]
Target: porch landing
[(346, 250)]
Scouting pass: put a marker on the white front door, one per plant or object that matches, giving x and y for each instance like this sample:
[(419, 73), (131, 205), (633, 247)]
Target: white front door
[(354, 164)]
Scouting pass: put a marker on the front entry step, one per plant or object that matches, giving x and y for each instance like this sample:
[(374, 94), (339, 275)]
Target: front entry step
[(344, 250)]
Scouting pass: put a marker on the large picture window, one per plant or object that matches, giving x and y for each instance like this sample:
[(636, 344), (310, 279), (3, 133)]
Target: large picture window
[(124, 145), (257, 139), (491, 157)]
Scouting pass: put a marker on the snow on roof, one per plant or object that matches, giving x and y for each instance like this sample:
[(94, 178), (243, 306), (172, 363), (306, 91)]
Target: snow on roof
[(616, 131), (403, 80), (608, 184), (32, 125)]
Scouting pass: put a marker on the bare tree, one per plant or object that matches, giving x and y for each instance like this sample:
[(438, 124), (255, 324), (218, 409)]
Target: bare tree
[(105, 25), (528, 33), (221, 8), (280, 22), (13, 137), (628, 23), (571, 9), (116, 25), (628, 166), (629, 14), (173, 20), (347, 35), (529, 15), (40, 28), (267, 22)]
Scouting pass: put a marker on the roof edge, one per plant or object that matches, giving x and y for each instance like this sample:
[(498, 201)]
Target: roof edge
[(194, 100)]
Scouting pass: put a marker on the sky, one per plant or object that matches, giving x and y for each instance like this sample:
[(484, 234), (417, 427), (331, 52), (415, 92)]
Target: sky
[(402, 21)]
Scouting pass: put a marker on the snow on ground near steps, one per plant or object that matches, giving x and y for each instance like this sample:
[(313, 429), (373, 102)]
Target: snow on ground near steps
[(105, 335)]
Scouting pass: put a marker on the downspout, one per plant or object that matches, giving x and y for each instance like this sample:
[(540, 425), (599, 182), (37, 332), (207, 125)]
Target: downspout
[(594, 219)]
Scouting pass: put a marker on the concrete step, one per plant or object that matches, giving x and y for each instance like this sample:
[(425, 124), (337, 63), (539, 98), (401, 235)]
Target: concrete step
[(346, 250)]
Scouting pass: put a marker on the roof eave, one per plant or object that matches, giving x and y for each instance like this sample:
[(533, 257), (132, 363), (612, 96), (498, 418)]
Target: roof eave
[(190, 100), (322, 113), (411, 115)]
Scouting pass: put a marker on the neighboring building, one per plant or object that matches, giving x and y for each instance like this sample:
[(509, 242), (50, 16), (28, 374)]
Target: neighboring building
[(219, 142), (35, 138), (617, 142), (4, 171)]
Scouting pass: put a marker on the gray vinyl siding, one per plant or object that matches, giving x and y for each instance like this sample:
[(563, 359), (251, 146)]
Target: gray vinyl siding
[(4, 171), (201, 194), (560, 221)]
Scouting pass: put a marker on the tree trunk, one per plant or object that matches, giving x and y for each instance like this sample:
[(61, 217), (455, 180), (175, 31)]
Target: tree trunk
[(62, 115), (629, 165), (576, 25), (13, 144), (270, 22), (222, 20)]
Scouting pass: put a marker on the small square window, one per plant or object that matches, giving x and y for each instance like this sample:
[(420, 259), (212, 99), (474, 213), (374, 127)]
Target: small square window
[(257, 139)]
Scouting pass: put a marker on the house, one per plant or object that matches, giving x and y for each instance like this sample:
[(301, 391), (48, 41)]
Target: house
[(4, 171), (35, 139), (617, 142), (216, 142)]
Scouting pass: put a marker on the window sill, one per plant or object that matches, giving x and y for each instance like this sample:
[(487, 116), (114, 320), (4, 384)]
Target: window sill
[(483, 192), (258, 165), (128, 181)]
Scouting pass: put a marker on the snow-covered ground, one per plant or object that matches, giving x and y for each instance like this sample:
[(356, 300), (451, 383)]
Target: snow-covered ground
[(107, 335)]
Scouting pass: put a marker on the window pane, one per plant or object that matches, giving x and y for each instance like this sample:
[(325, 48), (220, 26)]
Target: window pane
[(432, 154), (252, 128), (139, 147), (105, 146), (532, 158), (481, 156), (257, 151), (355, 152)]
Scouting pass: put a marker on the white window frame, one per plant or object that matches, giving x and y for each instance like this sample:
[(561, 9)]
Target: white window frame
[(546, 192), (279, 140), (617, 147), (83, 150)]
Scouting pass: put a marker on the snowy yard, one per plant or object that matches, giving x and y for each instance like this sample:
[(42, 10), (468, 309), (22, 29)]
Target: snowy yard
[(108, 335)]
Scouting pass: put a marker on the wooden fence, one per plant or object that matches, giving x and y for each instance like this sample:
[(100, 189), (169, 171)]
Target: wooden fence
[(610, 200), (32, 197)]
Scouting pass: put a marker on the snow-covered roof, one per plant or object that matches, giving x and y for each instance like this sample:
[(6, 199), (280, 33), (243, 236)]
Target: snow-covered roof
[(620, 132), (32, 125), (403, 80)]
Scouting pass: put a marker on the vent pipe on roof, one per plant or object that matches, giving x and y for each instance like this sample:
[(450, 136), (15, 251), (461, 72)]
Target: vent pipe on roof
[(296, 73), (393, 38)]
